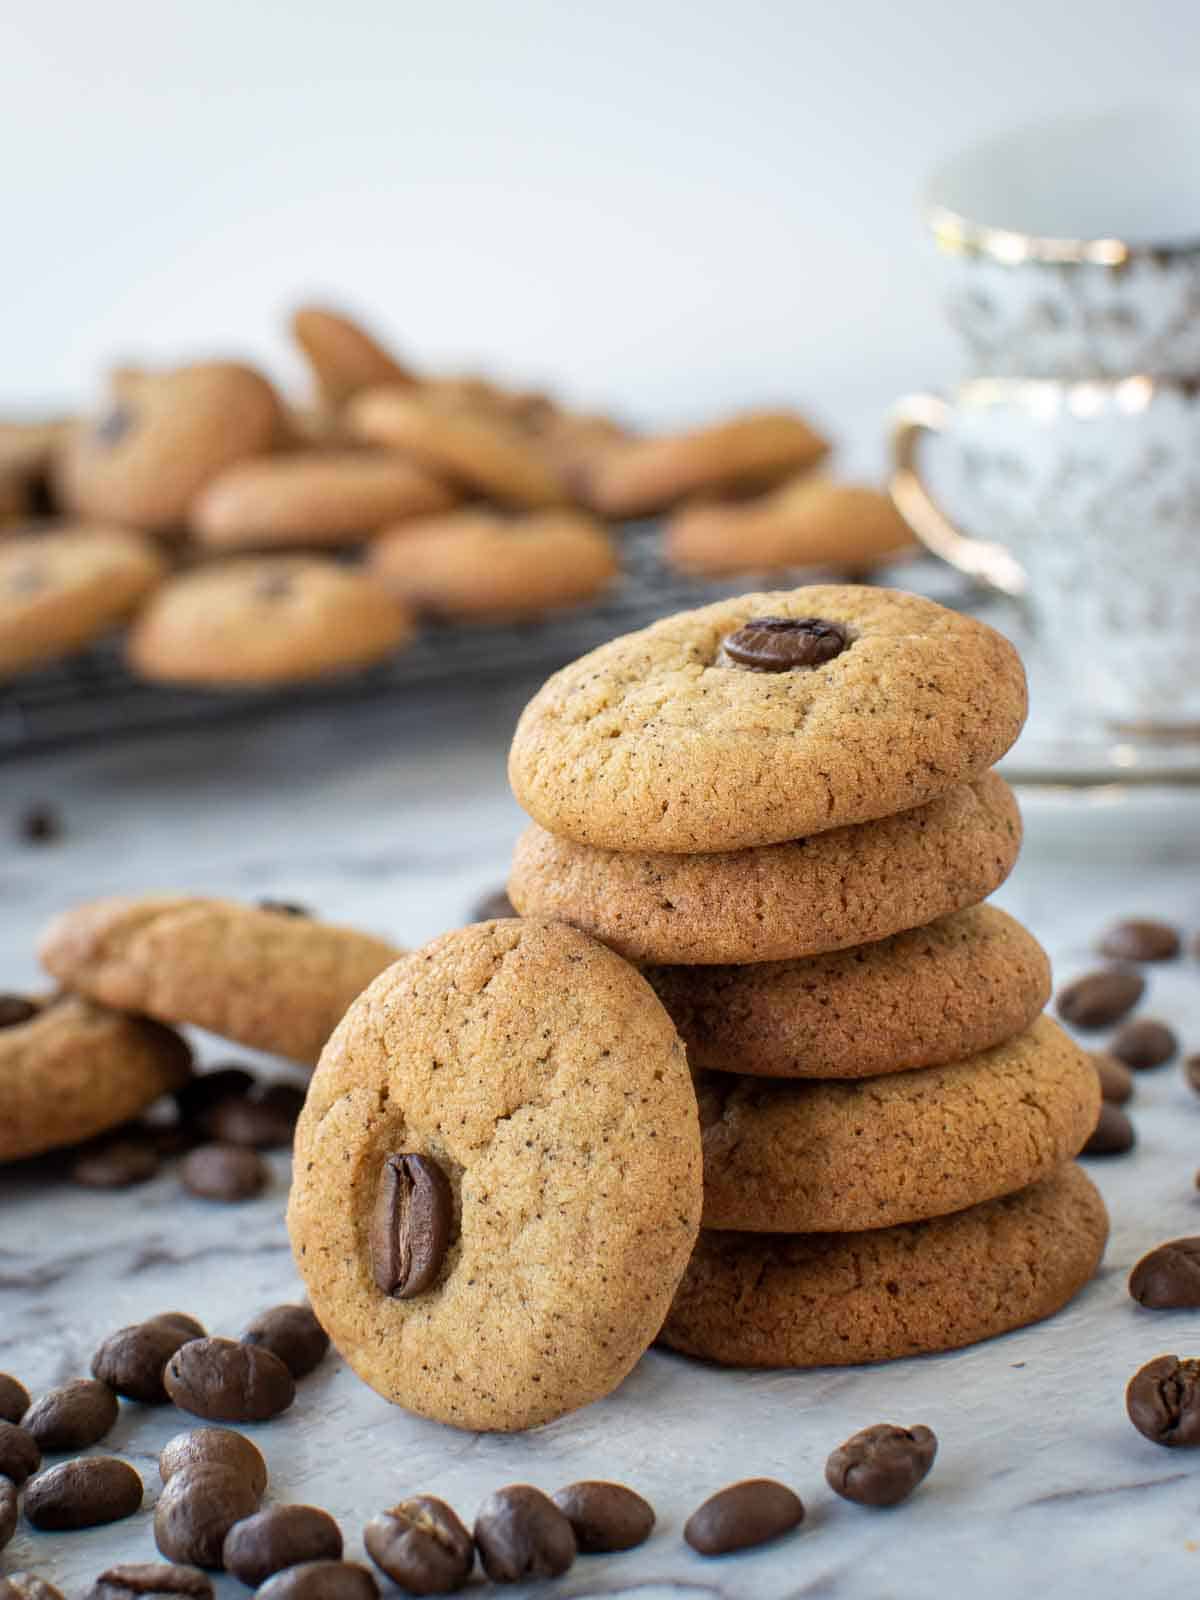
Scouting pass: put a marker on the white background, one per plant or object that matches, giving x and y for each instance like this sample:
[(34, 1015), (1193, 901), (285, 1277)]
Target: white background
[(665, 206)]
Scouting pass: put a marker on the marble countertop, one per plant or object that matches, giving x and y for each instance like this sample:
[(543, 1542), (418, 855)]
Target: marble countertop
[(398, 820)]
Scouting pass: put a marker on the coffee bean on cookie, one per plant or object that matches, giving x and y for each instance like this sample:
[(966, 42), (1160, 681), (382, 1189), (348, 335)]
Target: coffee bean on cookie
[(72, 1416), (151, 1580), (605, 1516), (27, 1586), (8, 1510), (410, 1225), (293, 1334), (1100, 998), (882, 1465), (1168, 1277), (1140, 939), (783, 644), (742, 1516), (83, 1494), (1116, 1080), (1113, 1133), (115, 1164), (131, 1361), (321, 1580), (1144, 1043), (19, 1454), (196, 1510), (521, 1533), (225, 1381), (1163, 1400), (280, 1536), (226, 1172), (214, 1447), (14, 1398), (422, 1545)]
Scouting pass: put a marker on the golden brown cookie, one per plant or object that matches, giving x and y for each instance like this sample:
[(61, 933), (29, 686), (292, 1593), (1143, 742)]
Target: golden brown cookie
[(27, 451), (830, 1299), (478, 564), (271, 619), (61, 590), (267, 979), (867, 702), (747, 452), (538, 1075), (70, 1069), (779, 902), (917, 999), (343, 356), (842, 1157)]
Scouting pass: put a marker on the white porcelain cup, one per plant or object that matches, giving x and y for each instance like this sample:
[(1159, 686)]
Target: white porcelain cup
[(1071, 249), (1089, 496)]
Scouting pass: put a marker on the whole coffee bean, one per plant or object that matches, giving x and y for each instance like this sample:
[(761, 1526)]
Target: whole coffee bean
[(1167, 1277), (180, 1320), (742, 1516), (1100, 998), (493, 907), (8, 1510), (263, 1120), (881, 1465), (284, 908), (422, 1545), (27, 1586), (83, 1494), (214, 1447), (19, 1454), (521, 1534), (321, 1580), (196, 1510), (605, 1516), (293, 1334), (226, 1172), (1140, 939), (1163, 1401), (280, 1536), (224, 1381), (1113, 1134), (411, 1225), (1116, 1080), (207, 1089), (780, 644), (151, 1580), (72, 1416), (131, 1361), (15, 1009), (116, 1164), (1191, 1071), (14, 1398), (1144, 1043)]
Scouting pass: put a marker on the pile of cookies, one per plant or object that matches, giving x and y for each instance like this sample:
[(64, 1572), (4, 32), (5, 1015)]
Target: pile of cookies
[(246, 542), (781, 807)]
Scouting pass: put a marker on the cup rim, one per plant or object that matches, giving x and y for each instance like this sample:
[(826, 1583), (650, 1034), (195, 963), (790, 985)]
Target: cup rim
[(957, 235), (1080, 398)]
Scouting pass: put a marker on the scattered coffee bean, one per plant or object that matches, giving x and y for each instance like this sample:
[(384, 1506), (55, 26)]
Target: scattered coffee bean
[(881, 1465), (521, 1534), (27, 1586), (180, 1320), (742, 1516), (293, 1334), (151, 1580), (131, 1361), (410, 1226), (284, 908), (15, 1009), (264, 1119), (1144, 1043), (115, 1164), (422, 1545), (1113, 1134), (226, 1172), (1167, 1277), (1163, 1400), (200, 1093), (321, 1580), (224, 1381), (1100, 998), (1191, 1071), (280, 1536), (40, 824), (72, 1416), (1116, 1080), (83, 1494), (19, 1454), (14, 1398), (605, 1516), (493, 907), (8, 1510), (1140, 939), (196, 1510), (781, 644), (214, 1447)]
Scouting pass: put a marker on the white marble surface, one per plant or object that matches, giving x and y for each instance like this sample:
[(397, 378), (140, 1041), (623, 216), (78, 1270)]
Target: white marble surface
[(398, 821)]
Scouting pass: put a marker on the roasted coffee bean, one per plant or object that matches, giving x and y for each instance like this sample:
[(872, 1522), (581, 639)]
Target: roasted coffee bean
[(15, 1009), (280, 1536), (199, 1094), (214, 1447), (14, 1398), (1163, 1400), (8, 1510), (742, 1516), (40, 824), (1100, 998), (83, 1494), (780, 644), (27, 1586), (410, 1226), (1144, 1043), (1191, 1071), (881, 1465), (1113, 1134), (226, 1172), (1140, 939), (521, 1533), (180, 1320), (321, 1580), (131, 1361), (263, 1120), (293, 1334), (115, 1164), (19, 1454), (1116, 1080), (284, 908), (72, 1416), (151, 1580), (493, 907), (422, 1545), (605, 1516), (1167, 1277), (224, 1381), (196, 1510)]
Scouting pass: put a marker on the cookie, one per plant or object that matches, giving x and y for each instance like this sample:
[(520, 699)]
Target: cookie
[(268, 979), (542, 1104), (162, 439), (807, 522), (27, 452), (670, 739), (343, 356), (478, 564), (318, 497), (61, 590), (70, 1069), (272, 619), (917, 999), (747, 452), (829, 1299), (778, 902), (843, 1157), (480, 452)]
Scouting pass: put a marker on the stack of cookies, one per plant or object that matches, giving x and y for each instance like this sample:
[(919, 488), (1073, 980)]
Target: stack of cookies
[(781, 807)]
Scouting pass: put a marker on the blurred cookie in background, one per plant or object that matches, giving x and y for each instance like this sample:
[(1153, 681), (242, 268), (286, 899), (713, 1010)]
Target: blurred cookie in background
[(342, 355)]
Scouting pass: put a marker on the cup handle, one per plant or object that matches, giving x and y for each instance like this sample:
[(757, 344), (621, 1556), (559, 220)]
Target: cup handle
[(986, 562)]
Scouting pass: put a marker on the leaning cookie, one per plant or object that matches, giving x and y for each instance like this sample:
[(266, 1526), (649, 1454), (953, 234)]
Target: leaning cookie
[(343, 356), (275, 619), (70, 1069), (269, 980)]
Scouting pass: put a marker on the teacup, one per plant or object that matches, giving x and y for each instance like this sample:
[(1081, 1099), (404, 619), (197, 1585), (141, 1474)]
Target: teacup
[(1089, 494), (1072, 249)]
